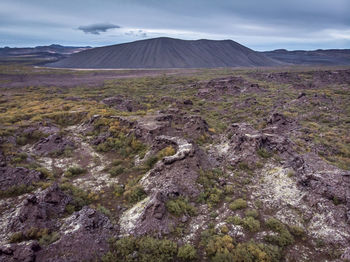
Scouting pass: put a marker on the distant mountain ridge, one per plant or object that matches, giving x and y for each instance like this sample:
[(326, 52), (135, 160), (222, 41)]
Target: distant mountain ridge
[(166, 52), (54, 48), (315, 57)]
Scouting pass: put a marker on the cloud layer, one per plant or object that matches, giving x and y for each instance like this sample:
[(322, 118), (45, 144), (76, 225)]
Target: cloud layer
[(96, 29), (261, 25)]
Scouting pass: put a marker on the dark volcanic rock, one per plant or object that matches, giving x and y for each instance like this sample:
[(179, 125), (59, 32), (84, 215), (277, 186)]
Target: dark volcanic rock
[(16, 176), (54, 145), (279, 124), (40, 127), (24, 252), (245, 142), (41, 210), (122, 103), (166, 52), (172, 177), (217, 88), (323, 179), (84, 237)]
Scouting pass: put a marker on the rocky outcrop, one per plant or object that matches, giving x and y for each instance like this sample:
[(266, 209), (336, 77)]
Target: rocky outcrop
[(173, 176), (233, 85), (40, 210), (245, 142), (122, 103), (17, 176), (54, 145), (84, 237), (24, 252)]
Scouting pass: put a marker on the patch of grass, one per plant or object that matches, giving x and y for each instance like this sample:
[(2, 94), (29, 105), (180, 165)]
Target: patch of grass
[(16, 191), (213, 192), (284, 237), (116, 171), (146, 248), (74, 171), (264, 153), (180, 206), (134, 192), (251, 224), (252, 213), (81, 198), (44, 236), (187, 252), (239, 203)]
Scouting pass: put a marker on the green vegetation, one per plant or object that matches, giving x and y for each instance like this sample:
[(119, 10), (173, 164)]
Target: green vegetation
[(322, 127), (238, 204), (44, 236), (147, 249), (180, 206), (262, 152), (74, 171), (134, 192), (80, 197), (222, 248), (213, 192), (284, 237), (249, 223), (187, 253), (16, 191)]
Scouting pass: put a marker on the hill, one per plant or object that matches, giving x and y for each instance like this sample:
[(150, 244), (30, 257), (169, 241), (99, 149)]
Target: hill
[(316, 57), (38, 54), (168, 53)]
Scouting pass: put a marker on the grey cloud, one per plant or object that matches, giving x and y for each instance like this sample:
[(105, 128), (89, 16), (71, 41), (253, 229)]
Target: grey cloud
[(137, 33), (96, 29)]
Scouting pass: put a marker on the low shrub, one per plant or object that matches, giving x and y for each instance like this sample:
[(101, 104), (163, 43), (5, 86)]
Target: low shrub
[(44, 236), (180, 206), (251, 224), (146, 248), (134, 194), (238, 204), (187, 252), (284, 237), (116, 171), (212, 193), (16, 191), (74, 171), (262, 152), (252, 213)]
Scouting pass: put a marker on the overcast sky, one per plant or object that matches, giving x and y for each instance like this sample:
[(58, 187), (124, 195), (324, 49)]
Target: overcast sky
[(258, 24)]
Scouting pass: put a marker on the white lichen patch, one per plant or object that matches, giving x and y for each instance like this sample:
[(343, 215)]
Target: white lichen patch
[(323, 226), (184, 148), (10, 208), (129, 219), (276, 188), (197, 224), (70, 225), (95, 182)]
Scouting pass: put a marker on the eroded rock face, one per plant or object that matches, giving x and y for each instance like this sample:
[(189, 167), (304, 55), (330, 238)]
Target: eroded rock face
[(171, 122), (40, 127), (217, 88), (17, 176), (122, 103), (84, 237), (173, 176), (41, 210), (25, 252), (324, 180), (245, 142), (147, 216), (54, 145)]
